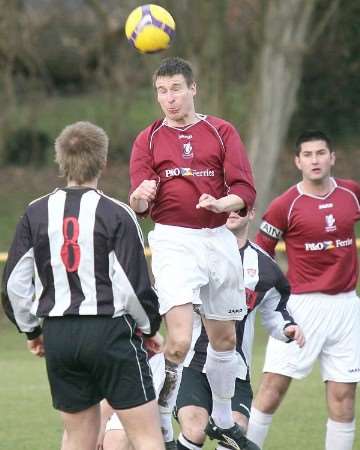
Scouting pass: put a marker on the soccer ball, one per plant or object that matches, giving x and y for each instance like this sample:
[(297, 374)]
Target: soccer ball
[(150, 28)]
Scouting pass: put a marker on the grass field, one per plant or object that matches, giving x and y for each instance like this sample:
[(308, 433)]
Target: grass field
[(28, 421)]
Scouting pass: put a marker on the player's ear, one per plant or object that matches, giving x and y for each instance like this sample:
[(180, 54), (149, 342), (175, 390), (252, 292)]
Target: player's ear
[(297, 162), (193, 88), (332, 158)]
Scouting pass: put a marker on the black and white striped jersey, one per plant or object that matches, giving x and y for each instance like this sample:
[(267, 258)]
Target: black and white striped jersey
[(267, 290), (78, 252)]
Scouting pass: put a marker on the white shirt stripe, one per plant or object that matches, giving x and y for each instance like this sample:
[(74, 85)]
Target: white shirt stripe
[(56, 206)]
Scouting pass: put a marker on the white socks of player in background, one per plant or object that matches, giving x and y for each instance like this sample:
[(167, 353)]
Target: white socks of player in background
[(221, 369), (184, 444), (167, 397), (339, 436), (259, 424)]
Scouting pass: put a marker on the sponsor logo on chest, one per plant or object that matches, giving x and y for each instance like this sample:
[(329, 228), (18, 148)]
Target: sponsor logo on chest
[(188, 172), (327, 245)]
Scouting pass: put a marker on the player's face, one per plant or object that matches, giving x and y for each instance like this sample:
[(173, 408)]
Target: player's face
[(176, 99), (237, 223), (315, 161)]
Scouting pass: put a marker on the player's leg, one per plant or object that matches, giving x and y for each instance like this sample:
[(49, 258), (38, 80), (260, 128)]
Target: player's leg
[(340, 363), (241, 403), (178, 277), (193, 406), (221, 368), (115, 437), (81, 429), (142, 425), (340, 431), (272, 390), (116, 440), (178, 322)]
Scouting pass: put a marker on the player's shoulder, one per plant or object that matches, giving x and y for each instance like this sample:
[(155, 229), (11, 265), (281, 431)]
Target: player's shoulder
[(117, 206), (147, 133), (41, 201), (217, 122), (262, 254), (286, 199), (347, 184)]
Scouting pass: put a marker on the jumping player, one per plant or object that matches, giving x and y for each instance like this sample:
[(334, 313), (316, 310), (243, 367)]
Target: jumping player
[(189, 171), (77, 262), (267, 291), (316, 219)]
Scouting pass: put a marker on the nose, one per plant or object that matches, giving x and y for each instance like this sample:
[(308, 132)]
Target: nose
[(314, 159)]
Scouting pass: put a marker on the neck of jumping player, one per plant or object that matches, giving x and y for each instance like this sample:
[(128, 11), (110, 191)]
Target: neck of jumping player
[(186, 119), (320, 187)]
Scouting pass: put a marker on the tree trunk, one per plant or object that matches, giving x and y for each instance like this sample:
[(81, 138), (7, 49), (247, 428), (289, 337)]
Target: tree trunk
[(279, 70)]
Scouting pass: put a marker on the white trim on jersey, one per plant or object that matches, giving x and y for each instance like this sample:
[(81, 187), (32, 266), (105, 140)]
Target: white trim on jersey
[(318, 197), (154, 132), (292, 206), (131, 213), (352, 194), (125, 299), (38, 289), (86, 270), (21, 291), (56, 205)]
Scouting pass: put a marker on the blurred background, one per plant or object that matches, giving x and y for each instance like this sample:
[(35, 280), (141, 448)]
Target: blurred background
[(272, 67)]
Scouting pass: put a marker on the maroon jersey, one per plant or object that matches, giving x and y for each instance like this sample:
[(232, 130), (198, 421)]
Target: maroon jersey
[(205, 157), (319, 237)]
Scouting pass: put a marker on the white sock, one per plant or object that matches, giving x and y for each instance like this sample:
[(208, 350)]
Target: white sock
[(221, 369), (339, 435), (167, 397), (258, 428), (185, 443)]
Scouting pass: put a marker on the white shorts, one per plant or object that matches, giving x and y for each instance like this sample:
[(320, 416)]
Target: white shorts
[(331, 325), (198, 266), (157, 364)]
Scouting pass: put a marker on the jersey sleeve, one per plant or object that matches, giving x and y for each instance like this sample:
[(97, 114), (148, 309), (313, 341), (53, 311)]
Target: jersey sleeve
[(237, 170), (18, 288), (272, 227), (274, 314), (141, 161), (130, 276)]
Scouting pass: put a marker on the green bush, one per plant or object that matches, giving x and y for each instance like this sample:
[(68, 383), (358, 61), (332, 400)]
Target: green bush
[(26, 146)]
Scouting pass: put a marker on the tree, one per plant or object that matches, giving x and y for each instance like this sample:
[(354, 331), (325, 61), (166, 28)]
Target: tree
[(287, 37)]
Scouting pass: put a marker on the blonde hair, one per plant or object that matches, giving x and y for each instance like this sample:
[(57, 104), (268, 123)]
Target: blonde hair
[(81, 151)]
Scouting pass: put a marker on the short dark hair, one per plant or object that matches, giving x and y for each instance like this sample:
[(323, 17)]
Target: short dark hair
[(174, 66), (312, 135)]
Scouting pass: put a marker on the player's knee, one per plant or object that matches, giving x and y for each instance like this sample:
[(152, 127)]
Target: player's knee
[(271, 392), (176, 350), (224, 343), (192, 427)]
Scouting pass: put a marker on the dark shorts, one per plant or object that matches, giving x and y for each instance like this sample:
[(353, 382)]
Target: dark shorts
[(195, 391), (89, 358)]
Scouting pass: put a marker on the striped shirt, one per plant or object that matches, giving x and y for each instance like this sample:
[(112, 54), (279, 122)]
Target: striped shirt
[(268, 291), (78, 252)]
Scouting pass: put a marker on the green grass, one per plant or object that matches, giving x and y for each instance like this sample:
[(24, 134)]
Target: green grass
[(28, 421)]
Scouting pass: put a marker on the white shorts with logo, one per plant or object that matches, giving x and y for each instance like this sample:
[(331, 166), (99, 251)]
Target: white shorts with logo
[(331, 325), (157, 364), (199, 266)]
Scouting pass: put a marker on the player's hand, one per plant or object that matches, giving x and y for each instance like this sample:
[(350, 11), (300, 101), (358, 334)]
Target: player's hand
[(36, 346), (145, 191), (154, 344), (294, 332), (210, 203)]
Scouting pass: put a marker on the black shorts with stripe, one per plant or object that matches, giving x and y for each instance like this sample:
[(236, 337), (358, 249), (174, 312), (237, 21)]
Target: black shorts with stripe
[(195, 391), (89, 358)]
